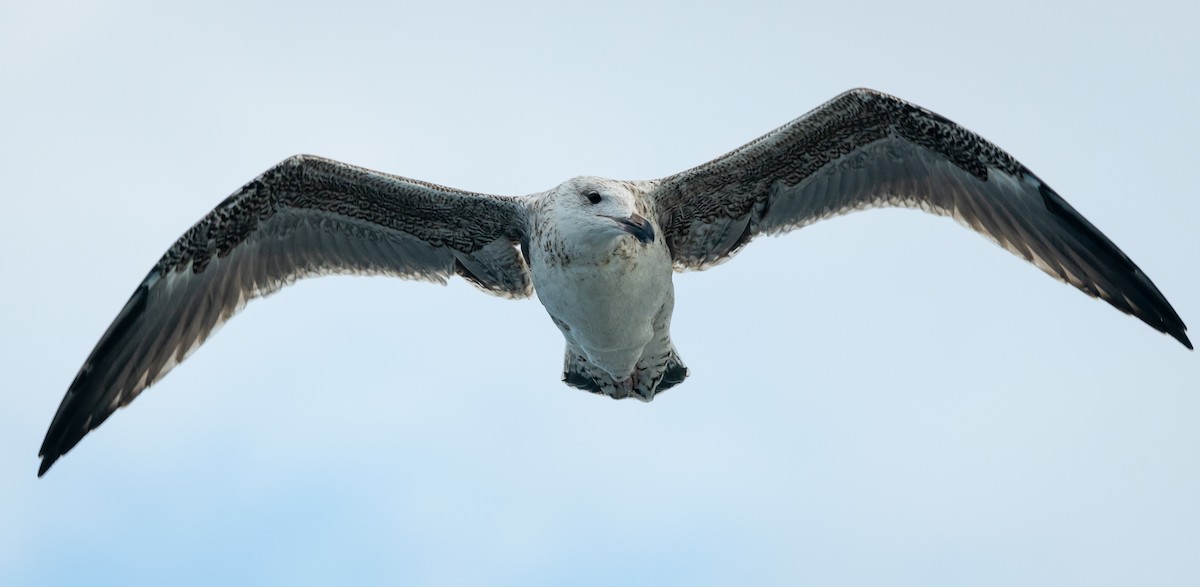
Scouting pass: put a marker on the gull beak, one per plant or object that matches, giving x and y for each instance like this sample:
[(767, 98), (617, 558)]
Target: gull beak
[(637, 225)]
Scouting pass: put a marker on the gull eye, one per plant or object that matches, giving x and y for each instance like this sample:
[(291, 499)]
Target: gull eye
[(594, 197)]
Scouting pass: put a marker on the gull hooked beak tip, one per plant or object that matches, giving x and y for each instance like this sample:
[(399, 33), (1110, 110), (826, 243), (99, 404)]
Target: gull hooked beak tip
[(637, 225)]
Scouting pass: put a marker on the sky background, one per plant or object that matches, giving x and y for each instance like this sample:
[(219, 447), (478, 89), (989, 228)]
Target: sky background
[(880, 399)]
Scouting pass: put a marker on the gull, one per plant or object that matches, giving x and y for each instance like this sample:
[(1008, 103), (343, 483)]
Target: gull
[(600, 252)]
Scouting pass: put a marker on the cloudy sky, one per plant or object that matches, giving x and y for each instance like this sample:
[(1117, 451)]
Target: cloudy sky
[(880, 399)]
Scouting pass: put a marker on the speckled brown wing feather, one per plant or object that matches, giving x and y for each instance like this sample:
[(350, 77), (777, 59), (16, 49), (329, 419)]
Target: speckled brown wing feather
[(306, 216), (866, 149)]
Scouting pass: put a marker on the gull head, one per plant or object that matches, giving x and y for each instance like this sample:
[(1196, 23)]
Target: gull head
[(599, 213)]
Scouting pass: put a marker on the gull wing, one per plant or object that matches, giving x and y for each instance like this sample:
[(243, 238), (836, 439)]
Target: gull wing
[(306, 216), (865, 149)]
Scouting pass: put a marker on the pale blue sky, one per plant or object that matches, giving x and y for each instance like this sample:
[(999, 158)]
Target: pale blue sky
[(881, 399)]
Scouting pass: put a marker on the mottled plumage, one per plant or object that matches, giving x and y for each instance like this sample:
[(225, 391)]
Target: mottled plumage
[(600, 252)]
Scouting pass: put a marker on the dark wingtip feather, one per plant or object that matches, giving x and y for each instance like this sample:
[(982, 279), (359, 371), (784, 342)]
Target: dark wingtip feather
[(76, 415), (45, 466), (1181, 336), (1142, 298)]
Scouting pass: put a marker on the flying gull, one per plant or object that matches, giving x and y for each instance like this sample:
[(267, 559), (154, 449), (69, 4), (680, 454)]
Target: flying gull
[(599, 252)]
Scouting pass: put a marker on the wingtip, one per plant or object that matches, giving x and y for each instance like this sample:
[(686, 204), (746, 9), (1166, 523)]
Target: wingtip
[(47, 461), (1175, 328)]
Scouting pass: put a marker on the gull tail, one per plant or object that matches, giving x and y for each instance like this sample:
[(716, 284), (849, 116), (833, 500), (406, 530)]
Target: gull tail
[(651, 376)]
